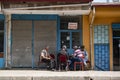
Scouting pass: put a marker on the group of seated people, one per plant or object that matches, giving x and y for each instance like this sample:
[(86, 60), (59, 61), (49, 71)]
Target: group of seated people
[(64, 59)]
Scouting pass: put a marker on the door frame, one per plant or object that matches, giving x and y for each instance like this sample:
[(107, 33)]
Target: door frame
[(69, 30), (113, 52), (115, 26)]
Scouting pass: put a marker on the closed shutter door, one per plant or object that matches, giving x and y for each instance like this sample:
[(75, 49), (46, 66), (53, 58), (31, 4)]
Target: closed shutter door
[(21, 43), (44, 34)]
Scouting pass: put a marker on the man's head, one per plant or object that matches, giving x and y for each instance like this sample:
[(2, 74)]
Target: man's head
[(82, 48), (64, 47), (46, 47), (75, 47)]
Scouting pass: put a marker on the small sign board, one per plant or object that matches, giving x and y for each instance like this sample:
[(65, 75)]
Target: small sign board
[(72, 25)]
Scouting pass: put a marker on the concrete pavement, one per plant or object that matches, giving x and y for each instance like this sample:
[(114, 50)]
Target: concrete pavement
[(58, 75)]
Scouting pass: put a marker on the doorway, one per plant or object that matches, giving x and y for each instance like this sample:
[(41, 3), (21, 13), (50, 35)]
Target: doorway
[(1, 36), (116, 49), (70, 32)]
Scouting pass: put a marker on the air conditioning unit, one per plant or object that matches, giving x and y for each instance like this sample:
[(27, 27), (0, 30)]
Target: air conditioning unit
[(115, 0)]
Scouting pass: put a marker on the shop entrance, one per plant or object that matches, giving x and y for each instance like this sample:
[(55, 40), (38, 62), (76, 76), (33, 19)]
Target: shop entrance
[(116, 49), (70, 32), (70, 39)]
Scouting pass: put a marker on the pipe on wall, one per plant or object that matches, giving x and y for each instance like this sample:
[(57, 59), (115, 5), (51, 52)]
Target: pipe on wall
[(91, 37)]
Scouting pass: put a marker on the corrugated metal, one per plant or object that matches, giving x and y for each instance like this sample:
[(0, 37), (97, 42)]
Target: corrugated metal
[(44, 34), (46, 0), (21, 43)]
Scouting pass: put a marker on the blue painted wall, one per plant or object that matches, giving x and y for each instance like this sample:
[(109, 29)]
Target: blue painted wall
[(101, 48), (2, 17), (1, 62), (101, 57)]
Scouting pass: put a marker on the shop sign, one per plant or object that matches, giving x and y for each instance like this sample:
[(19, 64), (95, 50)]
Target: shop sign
[(72, 25)]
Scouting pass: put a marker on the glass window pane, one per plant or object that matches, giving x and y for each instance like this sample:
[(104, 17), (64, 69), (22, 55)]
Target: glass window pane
[(101, 34), (116, 33), (65, 39), (66, 20), (75, 39)]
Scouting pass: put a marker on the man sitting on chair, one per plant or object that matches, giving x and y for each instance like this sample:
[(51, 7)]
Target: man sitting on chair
[(45, 57), (75, 57)]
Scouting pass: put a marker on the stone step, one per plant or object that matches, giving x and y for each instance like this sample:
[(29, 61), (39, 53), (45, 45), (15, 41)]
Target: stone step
[(58, 75)]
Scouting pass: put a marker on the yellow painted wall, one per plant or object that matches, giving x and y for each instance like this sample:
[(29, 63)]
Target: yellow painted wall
[(107, 16), (86, 34), (103, 16), (107, 11)]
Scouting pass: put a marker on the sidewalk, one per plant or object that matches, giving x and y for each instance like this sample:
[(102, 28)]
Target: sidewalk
[(56, 75)]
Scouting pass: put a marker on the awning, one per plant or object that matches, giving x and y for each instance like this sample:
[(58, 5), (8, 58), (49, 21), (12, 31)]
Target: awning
[(51, 10), (59, 12)]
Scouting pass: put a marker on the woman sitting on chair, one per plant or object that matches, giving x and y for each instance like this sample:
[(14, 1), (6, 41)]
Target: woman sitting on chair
[(62, 58)]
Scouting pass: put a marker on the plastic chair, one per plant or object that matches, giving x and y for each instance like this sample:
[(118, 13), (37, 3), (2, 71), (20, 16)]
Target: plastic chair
[(82, 67), (53, 62), (79, 63)]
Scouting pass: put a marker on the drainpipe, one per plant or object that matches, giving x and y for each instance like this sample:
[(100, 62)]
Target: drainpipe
[(8, 39), (91, 36)]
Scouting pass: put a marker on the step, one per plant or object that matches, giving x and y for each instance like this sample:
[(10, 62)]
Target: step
[(58, 75)]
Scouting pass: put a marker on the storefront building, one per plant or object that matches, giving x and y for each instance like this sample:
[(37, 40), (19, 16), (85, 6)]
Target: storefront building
[(28, 29), (106, 36)]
